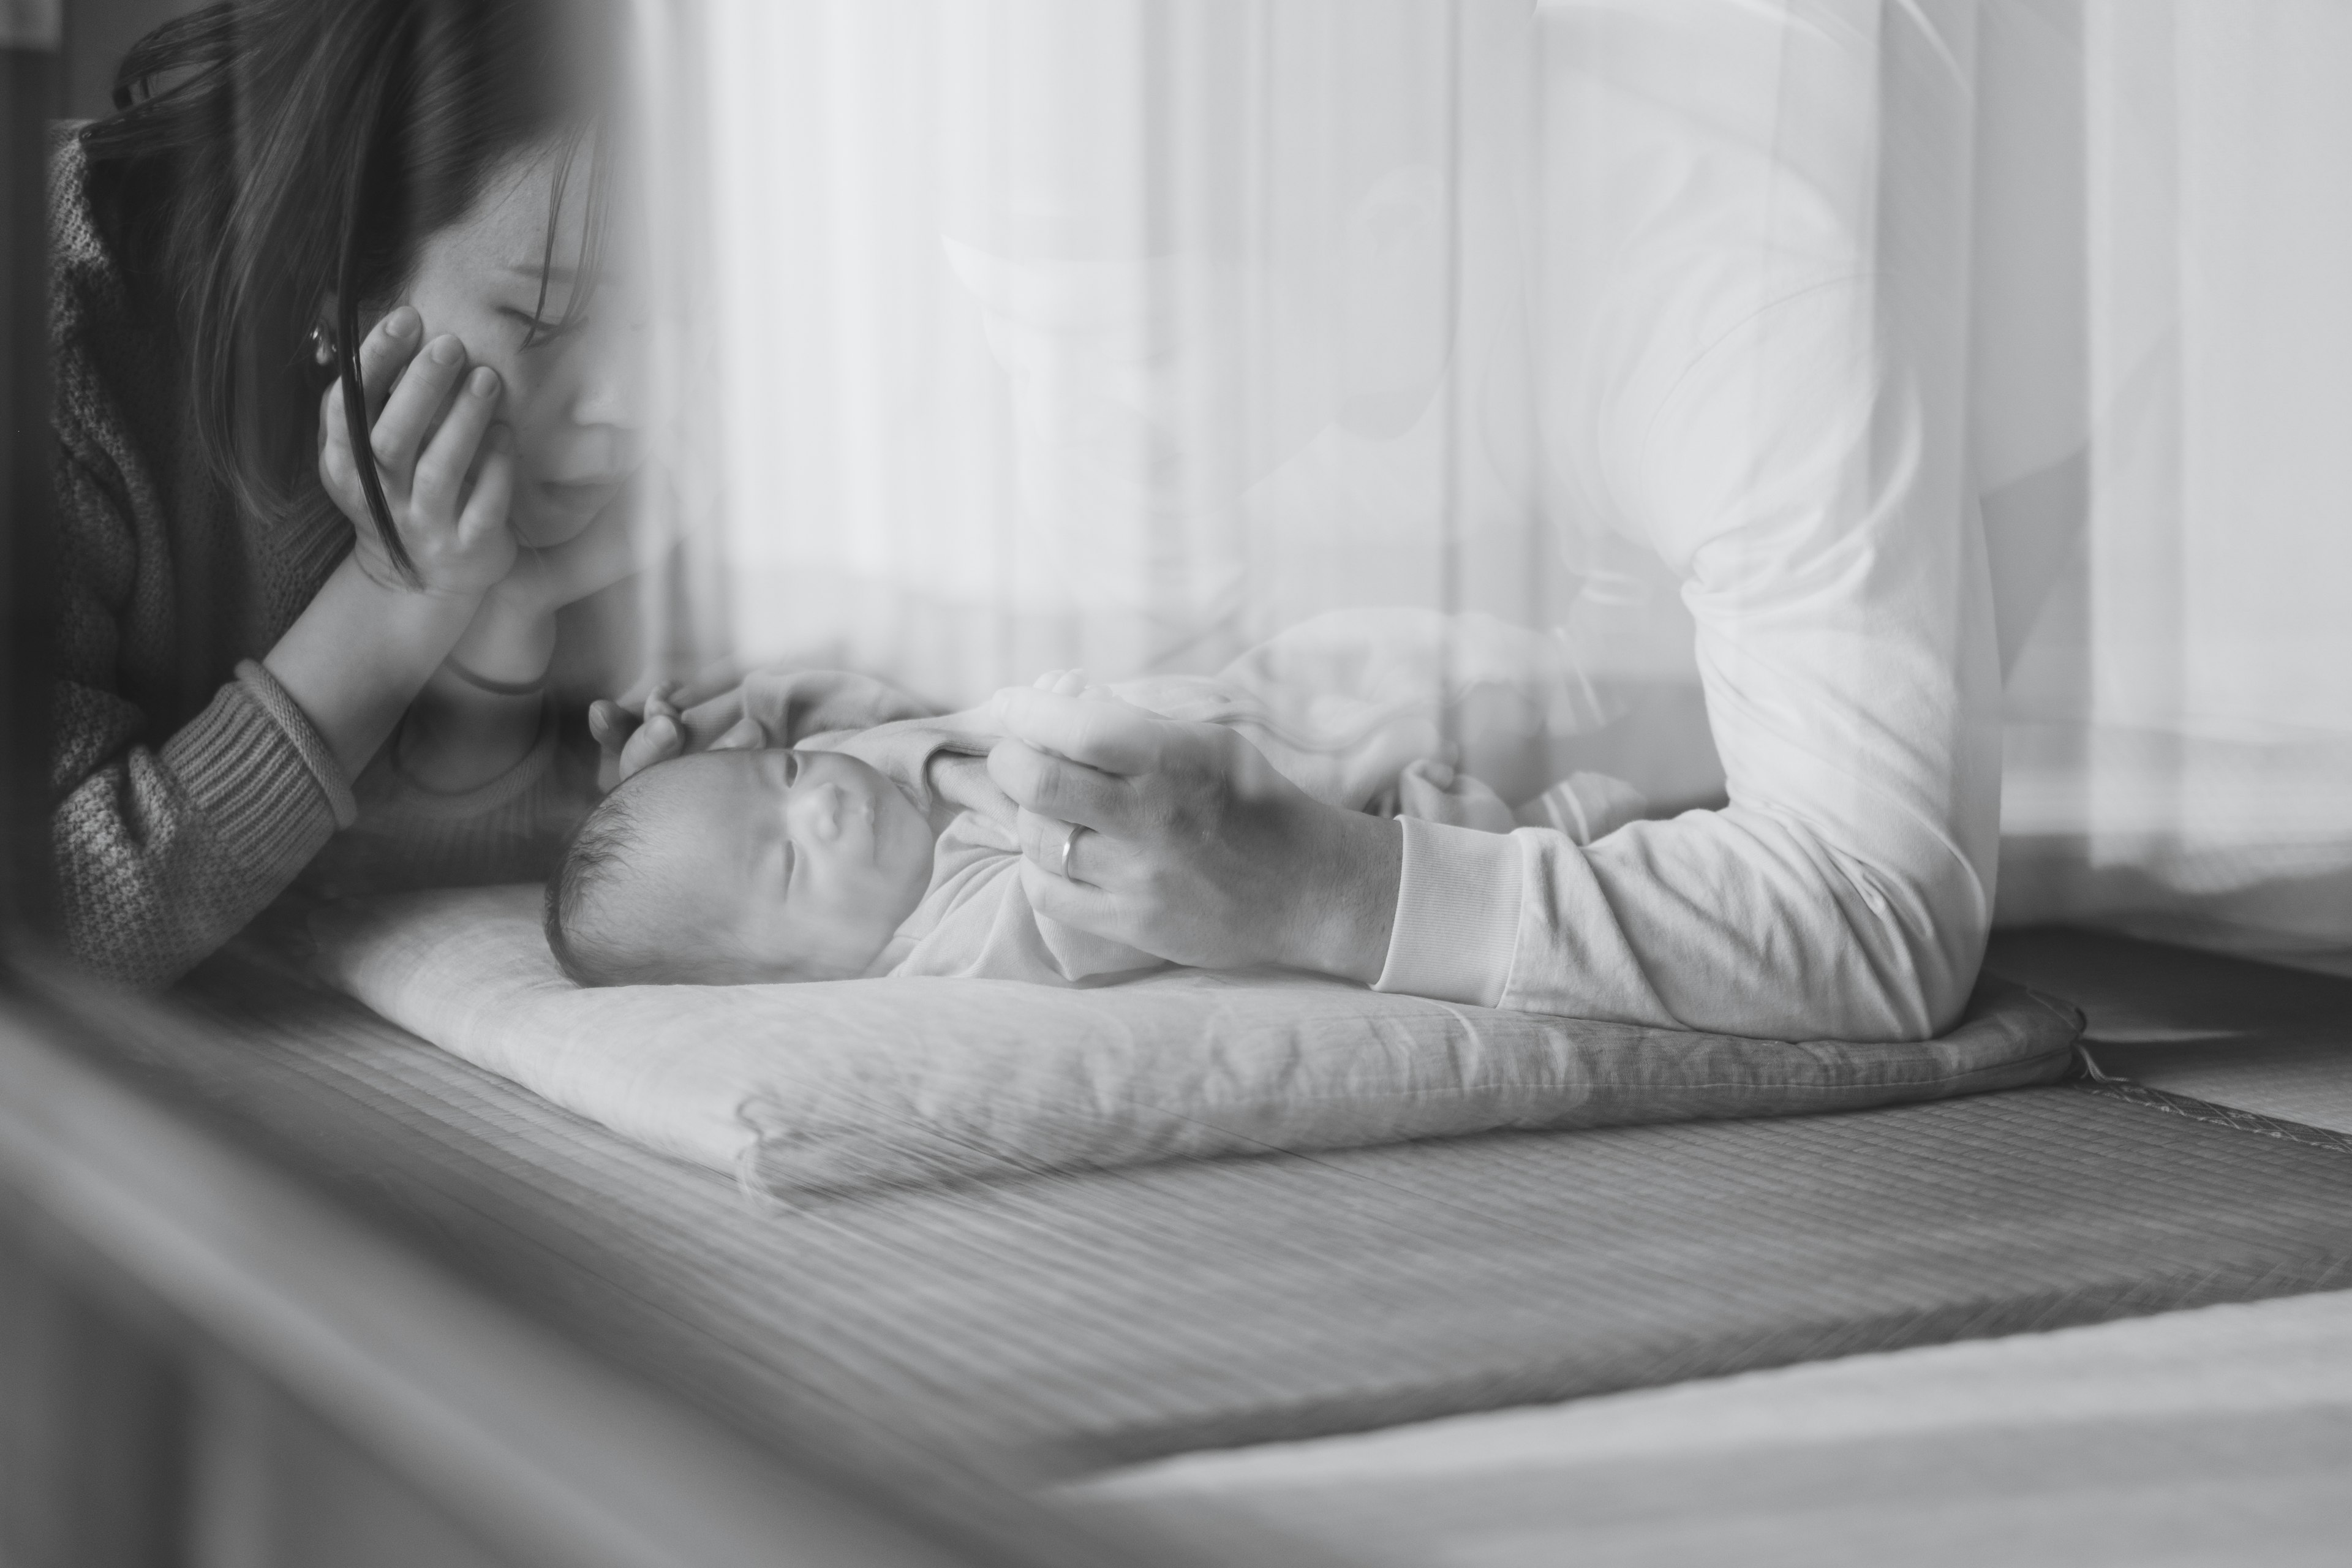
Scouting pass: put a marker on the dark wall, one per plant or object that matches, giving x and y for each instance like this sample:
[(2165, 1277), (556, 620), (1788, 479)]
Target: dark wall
[(98, 32)]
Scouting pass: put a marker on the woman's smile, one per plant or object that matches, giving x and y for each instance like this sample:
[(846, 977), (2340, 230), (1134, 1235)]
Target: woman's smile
[(573, 504), (556, 512), (581, 494)]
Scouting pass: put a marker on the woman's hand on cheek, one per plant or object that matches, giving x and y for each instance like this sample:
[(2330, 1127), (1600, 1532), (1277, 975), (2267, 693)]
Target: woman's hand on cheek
[(1199, 850), (446, 471)]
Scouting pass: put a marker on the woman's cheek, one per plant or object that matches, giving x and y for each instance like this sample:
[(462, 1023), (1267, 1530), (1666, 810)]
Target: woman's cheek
[(541, 524)]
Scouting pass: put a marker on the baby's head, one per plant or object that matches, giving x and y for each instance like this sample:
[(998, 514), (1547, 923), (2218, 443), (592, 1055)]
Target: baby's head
[(729, 867)]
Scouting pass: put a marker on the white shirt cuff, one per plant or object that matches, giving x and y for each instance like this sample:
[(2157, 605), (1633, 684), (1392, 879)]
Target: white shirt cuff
[(1457, 914)]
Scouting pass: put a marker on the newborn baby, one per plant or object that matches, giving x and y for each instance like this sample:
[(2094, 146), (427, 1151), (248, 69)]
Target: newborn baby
[(730, 867)]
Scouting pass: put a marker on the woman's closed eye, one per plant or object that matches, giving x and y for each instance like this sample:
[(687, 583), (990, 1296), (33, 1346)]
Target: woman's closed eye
[(538, 332)]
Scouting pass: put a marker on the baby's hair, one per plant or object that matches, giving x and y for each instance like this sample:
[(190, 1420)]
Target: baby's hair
[(594, 856)]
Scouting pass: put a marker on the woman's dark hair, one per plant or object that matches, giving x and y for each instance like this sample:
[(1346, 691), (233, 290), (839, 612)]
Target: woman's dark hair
[(270, 161)]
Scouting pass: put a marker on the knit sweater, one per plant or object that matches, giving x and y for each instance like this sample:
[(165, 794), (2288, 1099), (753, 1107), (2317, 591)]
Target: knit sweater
[(190, 790)]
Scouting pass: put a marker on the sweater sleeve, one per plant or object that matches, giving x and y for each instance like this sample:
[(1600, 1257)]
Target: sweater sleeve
[(1747, 382), (164, 851), (1845, 644)]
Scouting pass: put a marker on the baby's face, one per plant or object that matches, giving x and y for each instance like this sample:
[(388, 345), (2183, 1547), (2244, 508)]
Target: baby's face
[(803, 862)]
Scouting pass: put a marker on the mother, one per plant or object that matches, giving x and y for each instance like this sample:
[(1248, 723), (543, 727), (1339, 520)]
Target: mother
[(344, 413)]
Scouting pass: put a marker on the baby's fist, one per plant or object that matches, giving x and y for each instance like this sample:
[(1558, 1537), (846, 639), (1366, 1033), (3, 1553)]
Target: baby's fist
[(1435, 793)]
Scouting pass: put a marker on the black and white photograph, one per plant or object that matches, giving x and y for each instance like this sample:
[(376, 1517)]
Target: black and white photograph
[(1333, 784)]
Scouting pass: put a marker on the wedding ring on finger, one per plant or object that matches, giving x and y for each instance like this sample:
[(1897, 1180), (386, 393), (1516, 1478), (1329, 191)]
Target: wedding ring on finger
[(1070, 831)]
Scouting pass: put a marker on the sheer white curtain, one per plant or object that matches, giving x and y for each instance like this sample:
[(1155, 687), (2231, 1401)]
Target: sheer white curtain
[(1132, 333), (1128, 335), (2164, 406)]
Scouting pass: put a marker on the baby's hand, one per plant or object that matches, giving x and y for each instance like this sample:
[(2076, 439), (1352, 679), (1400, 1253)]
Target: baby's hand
[(1061, 683), (1073, 683), (633, 741), (1435, 793)]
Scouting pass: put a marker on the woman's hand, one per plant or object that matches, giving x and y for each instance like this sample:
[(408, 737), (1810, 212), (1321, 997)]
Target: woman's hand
[(447, 471), (1198, 850)]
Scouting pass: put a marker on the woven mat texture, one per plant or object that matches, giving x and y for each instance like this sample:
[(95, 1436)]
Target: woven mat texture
[(2256, 1036), (1052, 1325)]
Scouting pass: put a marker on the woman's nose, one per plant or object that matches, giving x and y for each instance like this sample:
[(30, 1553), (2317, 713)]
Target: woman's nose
[(612, 379), (609, 396)]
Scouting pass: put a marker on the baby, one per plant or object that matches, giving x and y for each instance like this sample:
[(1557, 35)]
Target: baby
[(729, 867)]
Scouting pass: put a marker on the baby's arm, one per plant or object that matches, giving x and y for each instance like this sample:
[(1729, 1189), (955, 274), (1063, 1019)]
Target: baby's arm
[(977, 922), (1584, 805)]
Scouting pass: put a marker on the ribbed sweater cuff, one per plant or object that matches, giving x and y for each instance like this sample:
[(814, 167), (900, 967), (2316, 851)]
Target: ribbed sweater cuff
[(249, 779), (289, 716), (1457, 914)]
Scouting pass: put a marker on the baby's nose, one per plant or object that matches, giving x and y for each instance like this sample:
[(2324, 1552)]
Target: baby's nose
[(816, 810)]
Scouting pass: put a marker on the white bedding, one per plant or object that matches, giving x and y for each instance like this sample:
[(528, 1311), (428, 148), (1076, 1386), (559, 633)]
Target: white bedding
[(811, 1089)]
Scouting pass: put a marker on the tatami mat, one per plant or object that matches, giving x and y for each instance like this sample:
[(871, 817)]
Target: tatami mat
[(2255, 1036), (1052, 1325)]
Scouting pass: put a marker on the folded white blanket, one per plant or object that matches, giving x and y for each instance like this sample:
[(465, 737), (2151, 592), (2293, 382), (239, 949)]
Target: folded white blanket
[(811, 1089)]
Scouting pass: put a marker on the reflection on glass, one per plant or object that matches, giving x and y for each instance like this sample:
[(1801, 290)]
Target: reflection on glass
[(1677, 512)]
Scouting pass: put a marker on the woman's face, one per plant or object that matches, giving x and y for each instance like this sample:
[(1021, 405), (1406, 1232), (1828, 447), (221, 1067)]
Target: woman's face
[(571, 395)]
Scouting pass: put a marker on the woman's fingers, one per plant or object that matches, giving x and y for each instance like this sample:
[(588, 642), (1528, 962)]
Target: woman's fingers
[(1112, 736), (384, 352), (410, 413), (1054, 786), (486, 508), (449, 457), (336, 471)]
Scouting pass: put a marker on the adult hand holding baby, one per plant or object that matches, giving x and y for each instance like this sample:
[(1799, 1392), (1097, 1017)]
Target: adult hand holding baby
[(1194, 848)]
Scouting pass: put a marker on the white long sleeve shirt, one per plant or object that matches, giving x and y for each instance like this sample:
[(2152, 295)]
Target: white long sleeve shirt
[(1752, 247)]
